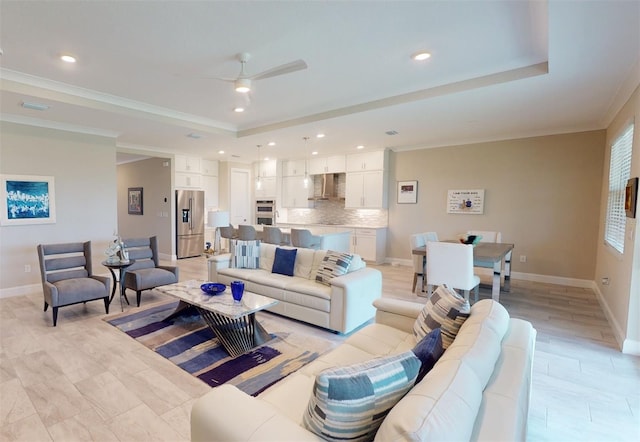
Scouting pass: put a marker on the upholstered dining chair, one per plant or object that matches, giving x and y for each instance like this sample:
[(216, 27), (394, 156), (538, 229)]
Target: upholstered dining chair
[(67, 276), (451, 264), (146, 272), (247, 232), (304, 238), (418, 240), (273, 235), (229, 232)]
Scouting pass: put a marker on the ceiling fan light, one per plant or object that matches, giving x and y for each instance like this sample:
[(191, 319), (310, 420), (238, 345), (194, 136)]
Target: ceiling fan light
[(243, 85)]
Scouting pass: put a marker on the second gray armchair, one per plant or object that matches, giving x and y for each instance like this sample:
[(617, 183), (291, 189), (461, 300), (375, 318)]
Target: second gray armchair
[(146, 273)]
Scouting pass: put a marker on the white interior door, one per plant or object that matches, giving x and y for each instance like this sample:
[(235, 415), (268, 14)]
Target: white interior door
[(239, 197)]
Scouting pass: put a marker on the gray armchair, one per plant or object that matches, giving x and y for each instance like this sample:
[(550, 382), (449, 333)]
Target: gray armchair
[(67, 276), (146, 273)]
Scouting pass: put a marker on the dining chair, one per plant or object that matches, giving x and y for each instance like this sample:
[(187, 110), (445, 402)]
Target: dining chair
[(487, 236), (67, 276), (451, 264), (419, 240), (247, 232), (304, 238), (273, 235)]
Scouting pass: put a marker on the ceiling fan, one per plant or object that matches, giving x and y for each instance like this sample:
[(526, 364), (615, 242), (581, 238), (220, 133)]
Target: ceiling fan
[(243, 82)]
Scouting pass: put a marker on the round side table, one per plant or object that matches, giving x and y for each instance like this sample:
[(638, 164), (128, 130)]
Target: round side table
[(120, 266)]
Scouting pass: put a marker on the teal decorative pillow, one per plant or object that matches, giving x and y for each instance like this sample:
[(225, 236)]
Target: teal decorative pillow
[(350, 403), (333, 264), (284, 262), (245, 254), (445, 309)]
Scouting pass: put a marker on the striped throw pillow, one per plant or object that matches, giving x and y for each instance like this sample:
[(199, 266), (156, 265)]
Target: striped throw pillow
[(445, 309), (245, 254), (333, 264), (350, 403)]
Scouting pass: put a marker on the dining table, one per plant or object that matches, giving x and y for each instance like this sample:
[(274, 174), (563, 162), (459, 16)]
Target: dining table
[(496, 256)]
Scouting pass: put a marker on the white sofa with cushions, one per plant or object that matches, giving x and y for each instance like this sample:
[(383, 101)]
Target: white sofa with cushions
[(478, 389), (341, 303)]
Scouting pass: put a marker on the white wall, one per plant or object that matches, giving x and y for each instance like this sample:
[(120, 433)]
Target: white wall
[(84, 170)]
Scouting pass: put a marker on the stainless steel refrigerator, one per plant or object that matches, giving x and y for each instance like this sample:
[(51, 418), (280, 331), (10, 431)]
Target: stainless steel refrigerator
[(189, 223)]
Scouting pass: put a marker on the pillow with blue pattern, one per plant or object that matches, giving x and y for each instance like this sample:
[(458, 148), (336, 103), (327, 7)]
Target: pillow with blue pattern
[(245, 254), (350, 403)]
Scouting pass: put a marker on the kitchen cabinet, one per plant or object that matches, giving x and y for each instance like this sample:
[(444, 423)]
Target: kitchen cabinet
[(187, 164), (266, 168), (188, 180), (376, 160), (293, 168), (365, 190), (210, 186), (332, 164), (370, 244), (209, 168), (294, 194), (267, 188)]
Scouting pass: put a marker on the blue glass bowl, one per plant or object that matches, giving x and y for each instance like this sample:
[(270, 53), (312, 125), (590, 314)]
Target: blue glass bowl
[(213, 288)]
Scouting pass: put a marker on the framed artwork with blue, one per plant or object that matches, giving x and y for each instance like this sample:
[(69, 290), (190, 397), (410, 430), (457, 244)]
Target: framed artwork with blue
[(27, 199)]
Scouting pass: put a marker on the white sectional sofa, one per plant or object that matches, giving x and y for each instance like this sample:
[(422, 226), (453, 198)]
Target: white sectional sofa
[(341, 306), (478, 390)]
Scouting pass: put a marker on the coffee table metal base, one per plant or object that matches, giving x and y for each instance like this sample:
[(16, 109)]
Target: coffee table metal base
[(237, 336)]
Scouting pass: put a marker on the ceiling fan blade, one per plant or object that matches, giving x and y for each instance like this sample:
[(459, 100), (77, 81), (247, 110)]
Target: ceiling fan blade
[(297, 65)]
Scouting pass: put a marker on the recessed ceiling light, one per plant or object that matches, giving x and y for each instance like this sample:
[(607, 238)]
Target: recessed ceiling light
[(221, 152), (271, 143), (360, 147), (238, 109), (320, 136), (68, 58), (420, 56), (315, 152)]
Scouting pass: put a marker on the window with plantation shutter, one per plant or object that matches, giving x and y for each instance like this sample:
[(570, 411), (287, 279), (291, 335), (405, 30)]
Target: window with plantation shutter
[(619, 172)]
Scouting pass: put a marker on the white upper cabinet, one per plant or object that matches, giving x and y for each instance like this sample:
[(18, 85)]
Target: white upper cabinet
[(209, 167), (294, 194), (365, 190), (332, 164), (187, 164), (358, 162), (267, 188), (210, 186), (266, 168), (293, 167)]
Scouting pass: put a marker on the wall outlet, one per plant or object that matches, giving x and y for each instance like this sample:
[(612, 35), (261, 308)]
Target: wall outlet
[(605, 281), (523, 258), (27, 268)]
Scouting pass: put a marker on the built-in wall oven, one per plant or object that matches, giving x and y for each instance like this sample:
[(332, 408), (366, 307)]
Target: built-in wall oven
[(266, 212)]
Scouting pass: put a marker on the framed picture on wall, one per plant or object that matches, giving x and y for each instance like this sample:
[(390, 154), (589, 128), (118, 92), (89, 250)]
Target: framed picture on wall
[(27, 199), (407, 192), (135, 200), (631, 197)]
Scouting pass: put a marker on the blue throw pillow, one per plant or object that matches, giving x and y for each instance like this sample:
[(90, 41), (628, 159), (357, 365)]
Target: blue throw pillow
[(284, 261), (428, 350)]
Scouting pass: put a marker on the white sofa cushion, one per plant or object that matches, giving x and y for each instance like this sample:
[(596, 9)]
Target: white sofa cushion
[(350, 402)]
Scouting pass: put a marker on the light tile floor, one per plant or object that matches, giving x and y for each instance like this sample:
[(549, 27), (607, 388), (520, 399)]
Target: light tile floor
[(85, 381)]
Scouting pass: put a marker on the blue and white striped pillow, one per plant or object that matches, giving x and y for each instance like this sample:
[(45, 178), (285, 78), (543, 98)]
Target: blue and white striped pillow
[(333, 264), (245, 254), (350, 403)]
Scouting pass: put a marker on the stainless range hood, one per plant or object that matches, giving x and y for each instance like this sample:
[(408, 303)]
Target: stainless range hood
[(328, 187)]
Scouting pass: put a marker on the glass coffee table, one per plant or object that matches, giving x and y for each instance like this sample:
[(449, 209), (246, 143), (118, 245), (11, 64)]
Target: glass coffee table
[(234, 323)]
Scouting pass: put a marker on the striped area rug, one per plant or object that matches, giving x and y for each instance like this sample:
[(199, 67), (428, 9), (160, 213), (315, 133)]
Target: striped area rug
[(191, 345)]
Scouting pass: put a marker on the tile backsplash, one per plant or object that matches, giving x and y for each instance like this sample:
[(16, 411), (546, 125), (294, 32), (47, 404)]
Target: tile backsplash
[(333, 212)]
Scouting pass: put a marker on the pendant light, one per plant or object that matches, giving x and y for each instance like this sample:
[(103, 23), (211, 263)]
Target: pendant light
[(258, 180), (306, 175)]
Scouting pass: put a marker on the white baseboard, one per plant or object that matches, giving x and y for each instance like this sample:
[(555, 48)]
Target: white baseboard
[(20, 290), (627, 346)]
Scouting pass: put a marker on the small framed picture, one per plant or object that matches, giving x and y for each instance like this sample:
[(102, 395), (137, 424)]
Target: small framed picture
[(135, 200), (631, 197), (407, 192)]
